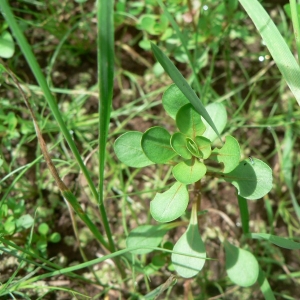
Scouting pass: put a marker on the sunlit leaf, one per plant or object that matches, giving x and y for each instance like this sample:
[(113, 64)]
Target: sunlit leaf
[(252, 178), (189, 121), (204, 146), (218, 114), (170, 205), (189, 243), (229, 154), (129, 150), (7, 45), (189, 171), (241, 265), (178, 143), (145, 236), (156, 145), (173, 99)]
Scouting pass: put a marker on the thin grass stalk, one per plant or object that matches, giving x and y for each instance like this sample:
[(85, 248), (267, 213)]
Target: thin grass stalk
[(40, 78)]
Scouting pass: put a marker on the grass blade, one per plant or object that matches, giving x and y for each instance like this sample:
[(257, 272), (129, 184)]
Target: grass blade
[(105, 81), (265, 286), (182, 84), (277, 46)]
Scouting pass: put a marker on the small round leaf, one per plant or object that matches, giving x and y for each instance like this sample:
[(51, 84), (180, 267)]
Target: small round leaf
[(229, 154), (252, 178), (145, 236), (7, 45), (218, 114), (204, 146), (173, 99), (189, 171), (156, 145), (190, 243), (170, 205), (189, 121), (241, 265), (178, 143), (129, 150), (43, 229)]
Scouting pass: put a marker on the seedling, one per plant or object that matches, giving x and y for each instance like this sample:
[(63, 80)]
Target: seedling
[(191, 154)]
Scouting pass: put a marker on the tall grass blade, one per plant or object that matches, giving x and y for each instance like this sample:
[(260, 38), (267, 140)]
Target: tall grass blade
[(182, 84), (277, 46), (105, 81)]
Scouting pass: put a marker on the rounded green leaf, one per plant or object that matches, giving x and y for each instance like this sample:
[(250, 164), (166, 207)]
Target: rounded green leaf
[(173, 99), (171, 204), (178, 143), (189, 121), (189, 171), (43, 229), (25, 221), (129, 150), (253, 178), (190, 243), (229, 154), (7, 45), (55, 237), (204, 146), (241, 265), (156, 145), (218, 114), (145, 236)]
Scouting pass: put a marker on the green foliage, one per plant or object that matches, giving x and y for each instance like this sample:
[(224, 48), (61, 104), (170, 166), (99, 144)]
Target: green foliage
[(188, 151), (7, 45), (191, 245), (171, 204), (146, 235), (241, 265)]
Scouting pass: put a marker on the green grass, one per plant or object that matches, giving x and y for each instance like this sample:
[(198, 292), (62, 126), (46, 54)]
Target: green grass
[(85, 93)]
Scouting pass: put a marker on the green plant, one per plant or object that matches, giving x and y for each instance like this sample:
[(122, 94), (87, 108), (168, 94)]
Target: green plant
[(190, 153)]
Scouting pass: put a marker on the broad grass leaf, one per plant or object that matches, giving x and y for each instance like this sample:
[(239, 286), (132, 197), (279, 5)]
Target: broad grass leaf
[(129, 150), (229, 154), (189, 171), (190, 243), (204, 146), (252, 179), (173, 99), (276, 240), (189, 121), (145, 236), (170, 205), (276, 44), (241, 265), (156, 145), (178, 143), (218, 114)]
